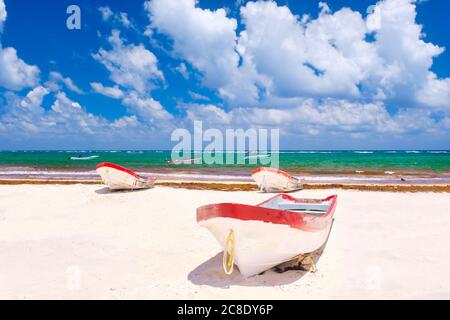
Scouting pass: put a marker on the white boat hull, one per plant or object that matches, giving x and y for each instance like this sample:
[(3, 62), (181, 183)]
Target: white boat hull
[(260, 246), (270, 233), (117, 178), (273, 180)]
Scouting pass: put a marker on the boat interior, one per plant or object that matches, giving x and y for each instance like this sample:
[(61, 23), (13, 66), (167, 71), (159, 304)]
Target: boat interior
[(317, 208)]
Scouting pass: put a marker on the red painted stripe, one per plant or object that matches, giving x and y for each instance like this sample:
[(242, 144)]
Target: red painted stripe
[(274, 171), (117, 167), (257, 213)]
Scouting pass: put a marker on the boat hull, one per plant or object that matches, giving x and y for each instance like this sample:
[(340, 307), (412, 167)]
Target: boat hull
[(261, 246), (120, 178), (273, 180), (265, 237)]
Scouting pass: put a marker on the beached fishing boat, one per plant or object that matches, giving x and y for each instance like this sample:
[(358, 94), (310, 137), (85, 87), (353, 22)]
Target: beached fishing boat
[(273, 180), (120, 178), (257, 238)]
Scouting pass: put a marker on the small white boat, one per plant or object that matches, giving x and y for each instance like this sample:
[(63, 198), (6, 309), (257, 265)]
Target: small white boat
[(183, 161), (84, 158), (260, 237), (257, 156), (273, 180), (121, 178)]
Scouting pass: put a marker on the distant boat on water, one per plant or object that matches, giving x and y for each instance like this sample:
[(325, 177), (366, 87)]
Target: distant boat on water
[(183, 161), (79, 157), (257, 156)]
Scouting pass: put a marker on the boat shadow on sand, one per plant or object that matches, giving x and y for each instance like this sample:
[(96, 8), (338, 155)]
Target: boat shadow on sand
[(210, 273), (107, 190)]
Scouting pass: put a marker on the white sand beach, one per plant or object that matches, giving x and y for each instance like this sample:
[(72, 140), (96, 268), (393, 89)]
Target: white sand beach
[(80, 241)]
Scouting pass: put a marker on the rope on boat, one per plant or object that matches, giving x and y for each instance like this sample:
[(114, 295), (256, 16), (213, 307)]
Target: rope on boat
[(228, 262)]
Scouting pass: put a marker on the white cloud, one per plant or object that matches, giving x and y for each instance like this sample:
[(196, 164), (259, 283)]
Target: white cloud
[(148, 109), (27, 120), (3, 14), (126, 121), (182, 69), (134, 70), (56, 78), (207, 40), (209, 113), (112, 92), (406, 57), (131, 66), (317, 77), (331, 57), (279, 55), (15, 74), (435, 93), (333, 123), (121, 17), (33, 100), (106, 12), (197, 96), (338, 115)]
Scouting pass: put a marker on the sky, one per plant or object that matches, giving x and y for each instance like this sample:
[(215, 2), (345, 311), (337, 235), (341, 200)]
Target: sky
[(338, 75)]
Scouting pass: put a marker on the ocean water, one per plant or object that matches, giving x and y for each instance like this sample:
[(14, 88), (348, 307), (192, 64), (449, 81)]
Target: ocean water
[(351, 167), (315, 161)]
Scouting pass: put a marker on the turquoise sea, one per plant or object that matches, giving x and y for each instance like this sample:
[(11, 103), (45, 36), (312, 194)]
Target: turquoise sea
[(316, 161), (355, 166)]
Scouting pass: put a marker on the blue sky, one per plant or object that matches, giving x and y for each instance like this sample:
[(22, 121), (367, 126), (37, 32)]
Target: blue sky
[(343, 75)]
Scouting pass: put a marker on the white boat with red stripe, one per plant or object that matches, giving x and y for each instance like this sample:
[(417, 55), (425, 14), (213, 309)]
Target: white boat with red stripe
[(274, 180), (257, 238), (120, 178)]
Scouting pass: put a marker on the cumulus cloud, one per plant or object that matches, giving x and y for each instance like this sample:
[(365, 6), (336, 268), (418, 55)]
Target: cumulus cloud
[(328, 76), (29, 120), (123, 18), (3, 14), (131, 66), (112, 92), (25, 118), (279, 55), (330, 123), (330, 56), (207, 40), (64, 117), (15, 74), (33, 100), (56, 78), (120, 17), (135, 71), (148, 109)]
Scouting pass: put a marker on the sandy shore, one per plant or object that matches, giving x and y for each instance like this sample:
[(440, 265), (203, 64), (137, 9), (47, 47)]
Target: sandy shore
[(80, 241)]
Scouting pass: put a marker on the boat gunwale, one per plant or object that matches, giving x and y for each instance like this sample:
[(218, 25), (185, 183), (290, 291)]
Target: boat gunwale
[(268, 215), (120, 168)]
